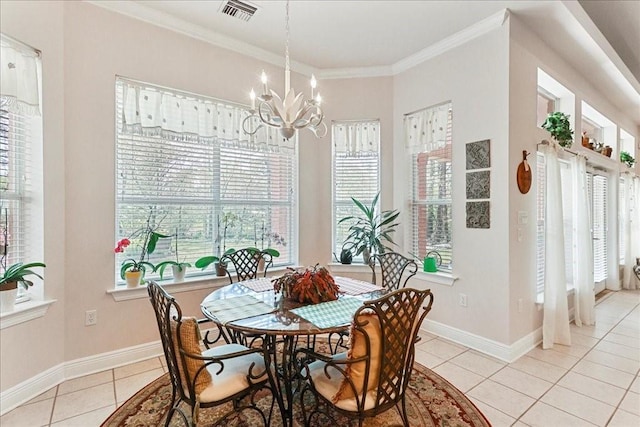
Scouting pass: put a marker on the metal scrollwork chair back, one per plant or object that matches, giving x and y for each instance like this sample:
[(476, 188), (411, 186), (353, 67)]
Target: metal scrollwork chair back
[(394, 267), (384, 333), (246, 263), (227, 373)]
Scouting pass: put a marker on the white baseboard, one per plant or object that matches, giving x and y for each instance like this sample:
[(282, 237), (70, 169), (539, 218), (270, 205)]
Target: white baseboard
[(507, 353), (27, 390)]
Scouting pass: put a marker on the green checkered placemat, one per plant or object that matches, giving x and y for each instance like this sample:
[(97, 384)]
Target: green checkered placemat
[(329, 314), (230, 309)]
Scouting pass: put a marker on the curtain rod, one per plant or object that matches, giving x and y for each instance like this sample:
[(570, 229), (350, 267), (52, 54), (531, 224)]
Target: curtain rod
[(545, 142), (24, 46), (427, 108)]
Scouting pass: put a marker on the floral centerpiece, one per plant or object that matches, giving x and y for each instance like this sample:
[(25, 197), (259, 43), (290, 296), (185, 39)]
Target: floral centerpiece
[(307, 285)]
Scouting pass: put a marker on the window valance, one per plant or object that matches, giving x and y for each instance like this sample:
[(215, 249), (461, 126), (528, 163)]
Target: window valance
[(356, 139), (20, 77), (152, 111), (426, 130)]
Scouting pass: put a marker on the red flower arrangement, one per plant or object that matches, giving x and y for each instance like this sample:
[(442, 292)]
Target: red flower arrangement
[(307, 285)]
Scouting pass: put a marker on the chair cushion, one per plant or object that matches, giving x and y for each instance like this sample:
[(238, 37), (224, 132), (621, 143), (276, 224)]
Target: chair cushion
[(358, 348), (329, 387), (233, 378), (190, 339)]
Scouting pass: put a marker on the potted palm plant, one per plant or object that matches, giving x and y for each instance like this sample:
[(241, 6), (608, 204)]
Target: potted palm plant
[(14, 275), (370, 231)]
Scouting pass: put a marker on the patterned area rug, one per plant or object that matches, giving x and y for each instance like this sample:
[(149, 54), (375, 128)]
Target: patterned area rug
[(431, 401)]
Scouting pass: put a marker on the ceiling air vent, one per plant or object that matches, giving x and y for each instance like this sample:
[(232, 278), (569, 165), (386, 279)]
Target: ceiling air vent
[(238, 9)]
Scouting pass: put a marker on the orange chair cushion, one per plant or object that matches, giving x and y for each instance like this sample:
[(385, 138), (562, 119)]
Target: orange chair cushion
[(358, 348), (190, 339)]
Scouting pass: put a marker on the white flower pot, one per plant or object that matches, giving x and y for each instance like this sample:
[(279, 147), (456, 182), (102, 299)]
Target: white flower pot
[(178, 273), (8, 300)]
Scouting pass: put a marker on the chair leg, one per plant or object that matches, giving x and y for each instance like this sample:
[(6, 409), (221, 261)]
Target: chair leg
[(403, 413)]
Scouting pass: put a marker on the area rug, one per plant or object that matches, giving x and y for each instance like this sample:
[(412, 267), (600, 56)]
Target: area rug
[(431, 401)]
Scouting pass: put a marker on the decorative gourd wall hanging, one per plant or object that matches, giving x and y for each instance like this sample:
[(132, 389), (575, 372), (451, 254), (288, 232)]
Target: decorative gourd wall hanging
[(523, 176)]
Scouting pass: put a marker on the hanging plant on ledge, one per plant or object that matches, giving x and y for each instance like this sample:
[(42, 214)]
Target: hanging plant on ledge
[(558, 125)]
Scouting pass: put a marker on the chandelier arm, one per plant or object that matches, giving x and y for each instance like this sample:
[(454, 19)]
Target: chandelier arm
[(246, 125), (267, 117)]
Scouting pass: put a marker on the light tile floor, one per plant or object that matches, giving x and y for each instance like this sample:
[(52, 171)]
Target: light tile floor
[(593, 382)]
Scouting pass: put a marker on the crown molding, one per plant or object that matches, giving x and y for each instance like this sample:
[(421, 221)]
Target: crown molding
[(461, 37), (356, 72), (151, 16)]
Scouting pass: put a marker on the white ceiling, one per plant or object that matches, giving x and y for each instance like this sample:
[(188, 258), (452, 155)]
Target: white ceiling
[(350, 37)]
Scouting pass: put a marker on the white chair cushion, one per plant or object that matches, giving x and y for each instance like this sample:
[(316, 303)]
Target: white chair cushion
[(233, 377), (328, 387)]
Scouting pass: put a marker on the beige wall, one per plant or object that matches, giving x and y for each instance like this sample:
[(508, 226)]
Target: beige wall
[(474, 77), (33, 347)]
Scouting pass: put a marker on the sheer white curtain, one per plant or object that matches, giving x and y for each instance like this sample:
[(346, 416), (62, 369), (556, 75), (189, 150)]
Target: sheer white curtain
[(555, 324), (631, 226), (584, 297)]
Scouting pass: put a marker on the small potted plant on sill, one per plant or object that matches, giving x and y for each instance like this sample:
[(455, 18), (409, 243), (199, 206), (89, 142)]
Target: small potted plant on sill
[(133, 270), (14, 275), (626, 158), (269, 238), (370, 231), (557, 123), (228, 220), (179, 269)]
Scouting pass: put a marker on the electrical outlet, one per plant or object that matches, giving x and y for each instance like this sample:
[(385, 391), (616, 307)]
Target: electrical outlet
[(90, 317), (463, 300)]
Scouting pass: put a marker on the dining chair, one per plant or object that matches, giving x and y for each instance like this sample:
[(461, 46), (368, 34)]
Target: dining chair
[(246, 263), (202, 379), (393, 267), (373, 375)]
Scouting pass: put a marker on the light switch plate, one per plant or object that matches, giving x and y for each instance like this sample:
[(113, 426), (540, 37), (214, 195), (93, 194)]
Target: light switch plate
[(523, 217)]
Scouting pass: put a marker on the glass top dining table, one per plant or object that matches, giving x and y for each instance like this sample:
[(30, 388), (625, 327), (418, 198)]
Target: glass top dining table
[(251, 307)]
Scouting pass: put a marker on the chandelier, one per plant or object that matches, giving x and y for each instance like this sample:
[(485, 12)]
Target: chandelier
[(288, 114)]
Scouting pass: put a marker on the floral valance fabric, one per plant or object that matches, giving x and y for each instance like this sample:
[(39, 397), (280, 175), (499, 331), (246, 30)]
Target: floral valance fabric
[(356, 138), (20, 77), (152, 111), (426, 130)]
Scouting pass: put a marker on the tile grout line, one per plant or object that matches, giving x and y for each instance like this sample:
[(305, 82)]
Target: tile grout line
[(571, 369)]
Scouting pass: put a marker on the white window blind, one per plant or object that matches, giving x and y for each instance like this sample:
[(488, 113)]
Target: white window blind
[(356, 171), (431, 198), (200, 178), (597, 185), (20, 155), (540, 210)]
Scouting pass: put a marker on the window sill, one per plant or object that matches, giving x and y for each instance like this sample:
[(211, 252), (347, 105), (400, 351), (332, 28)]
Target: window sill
[(439, 278), (540, 298), (122, 293), (23, 312)]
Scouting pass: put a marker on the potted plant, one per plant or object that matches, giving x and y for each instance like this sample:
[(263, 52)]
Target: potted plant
[(228, 220), (14, 275), (179, 269), (626, 158), (308, 285), (269, 238), (370, 231), (133, 270), (557, 123)]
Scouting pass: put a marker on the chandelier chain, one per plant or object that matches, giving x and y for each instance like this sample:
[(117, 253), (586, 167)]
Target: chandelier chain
[(287, 66)]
